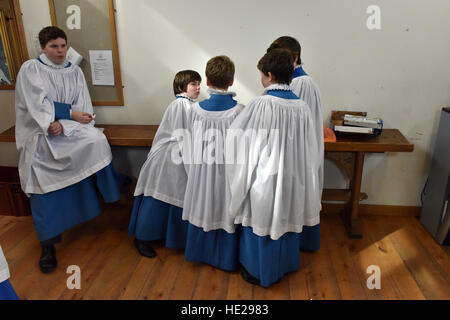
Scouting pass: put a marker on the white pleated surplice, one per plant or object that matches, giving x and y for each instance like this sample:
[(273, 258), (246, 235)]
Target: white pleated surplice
[(274, 183), (4, 270), (47, 162), (162, 176), (307, 90), (207, 195)]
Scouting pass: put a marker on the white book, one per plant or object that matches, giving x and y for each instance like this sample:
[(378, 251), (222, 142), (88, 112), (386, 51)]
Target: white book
[(354, 129), (361, 121)]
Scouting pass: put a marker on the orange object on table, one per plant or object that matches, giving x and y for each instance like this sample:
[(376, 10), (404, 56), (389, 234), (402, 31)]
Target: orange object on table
[(328, 135)]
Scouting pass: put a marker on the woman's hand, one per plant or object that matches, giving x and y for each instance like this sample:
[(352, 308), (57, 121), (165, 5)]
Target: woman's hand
[(82, 117), (55, 128)]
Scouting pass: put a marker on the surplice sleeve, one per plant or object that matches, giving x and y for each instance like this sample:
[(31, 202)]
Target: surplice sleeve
[(34, 110)]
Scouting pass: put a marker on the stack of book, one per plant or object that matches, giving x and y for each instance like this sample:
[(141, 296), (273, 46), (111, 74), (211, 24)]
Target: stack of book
[(360, 124)]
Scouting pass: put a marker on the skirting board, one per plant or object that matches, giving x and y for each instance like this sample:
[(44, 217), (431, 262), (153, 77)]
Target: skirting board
[(375, 209)]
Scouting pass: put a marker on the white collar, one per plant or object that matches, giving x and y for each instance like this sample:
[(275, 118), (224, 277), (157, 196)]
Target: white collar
[(49, 63), (277, 86), (221, 92)]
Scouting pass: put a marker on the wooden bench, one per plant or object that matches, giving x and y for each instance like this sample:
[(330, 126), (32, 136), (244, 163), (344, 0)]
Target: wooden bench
[(117, 135), (347, 153)]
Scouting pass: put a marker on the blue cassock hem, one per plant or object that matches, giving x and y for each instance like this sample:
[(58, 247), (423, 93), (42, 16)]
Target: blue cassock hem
[(269, 260), (217, 248), (57, 211), (7, 291), (152, 219), (265, 259)]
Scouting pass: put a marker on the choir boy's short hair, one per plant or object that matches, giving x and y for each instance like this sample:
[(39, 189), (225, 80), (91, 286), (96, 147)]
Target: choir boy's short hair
[(290, 44), (280, 63), (220, 71), (183, 78), (50, 33)]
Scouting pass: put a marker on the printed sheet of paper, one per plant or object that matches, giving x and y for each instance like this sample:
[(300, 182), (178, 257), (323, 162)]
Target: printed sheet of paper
[(102, 67)]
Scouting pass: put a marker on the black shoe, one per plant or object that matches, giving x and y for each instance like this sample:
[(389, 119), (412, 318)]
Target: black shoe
[(48, 262), (127, 181), (144, 248), (248, 277)]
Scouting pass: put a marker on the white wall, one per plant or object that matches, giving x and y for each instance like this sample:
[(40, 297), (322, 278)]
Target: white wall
[(400, 73)]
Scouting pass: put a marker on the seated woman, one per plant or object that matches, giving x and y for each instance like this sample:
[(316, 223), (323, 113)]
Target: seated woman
[(63, 158)]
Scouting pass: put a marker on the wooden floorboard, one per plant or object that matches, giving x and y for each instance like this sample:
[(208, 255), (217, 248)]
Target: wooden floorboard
[(427, 273), (447, 250), (186, 281), (412, 264), (340, 250), (392, 267)]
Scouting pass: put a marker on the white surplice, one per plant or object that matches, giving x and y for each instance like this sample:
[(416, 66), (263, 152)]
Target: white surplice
[(161, 177), (307, 90), (274, 182), (47, 162), (207, 195), (4, 270)]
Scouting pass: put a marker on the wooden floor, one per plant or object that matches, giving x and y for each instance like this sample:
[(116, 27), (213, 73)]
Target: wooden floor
[(413, 265)]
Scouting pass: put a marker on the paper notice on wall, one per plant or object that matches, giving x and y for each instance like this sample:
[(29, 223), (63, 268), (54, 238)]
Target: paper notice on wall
[(102, 67)]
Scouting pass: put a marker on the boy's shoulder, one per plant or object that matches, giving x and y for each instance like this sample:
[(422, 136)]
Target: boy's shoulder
[(304, 81), (276, 101), (179, 104), (29, 64)]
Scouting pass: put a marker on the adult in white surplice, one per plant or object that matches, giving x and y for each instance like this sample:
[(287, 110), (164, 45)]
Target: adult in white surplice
[(63, 158)]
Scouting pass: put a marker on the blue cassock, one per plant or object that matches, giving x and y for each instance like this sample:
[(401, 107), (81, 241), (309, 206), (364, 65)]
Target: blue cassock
[(56, 211)]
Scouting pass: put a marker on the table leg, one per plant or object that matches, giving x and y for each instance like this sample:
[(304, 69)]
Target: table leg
[(350, 213)]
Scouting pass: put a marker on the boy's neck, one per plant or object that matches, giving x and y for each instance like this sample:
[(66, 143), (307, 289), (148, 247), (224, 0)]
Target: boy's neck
[(217, 88)]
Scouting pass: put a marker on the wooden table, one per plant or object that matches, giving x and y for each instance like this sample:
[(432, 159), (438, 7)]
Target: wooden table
[(347, 153)]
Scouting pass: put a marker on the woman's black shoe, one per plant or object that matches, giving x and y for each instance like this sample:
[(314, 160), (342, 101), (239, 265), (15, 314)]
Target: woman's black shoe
[(48, 262), (248, 277), (144, 248)]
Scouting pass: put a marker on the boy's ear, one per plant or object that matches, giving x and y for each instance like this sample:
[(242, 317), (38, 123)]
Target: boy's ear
[(208, 83), (271, 77), (231, 82)]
